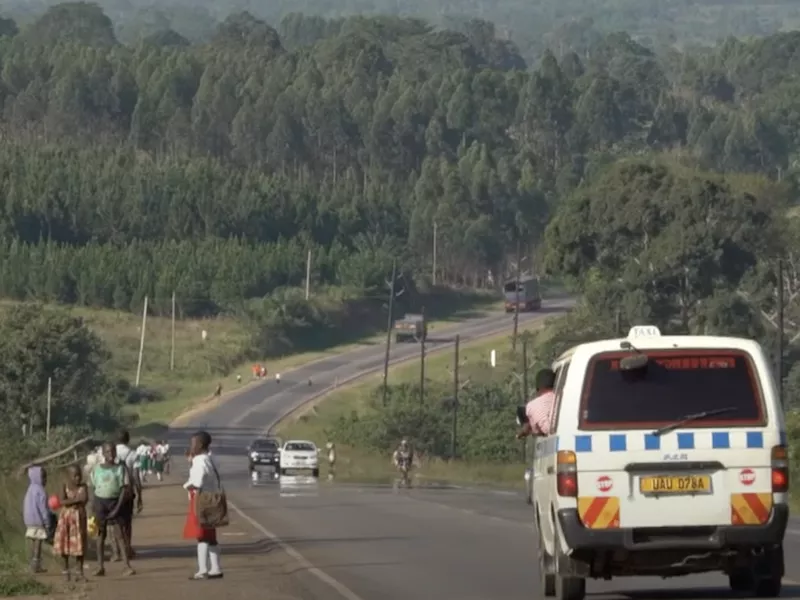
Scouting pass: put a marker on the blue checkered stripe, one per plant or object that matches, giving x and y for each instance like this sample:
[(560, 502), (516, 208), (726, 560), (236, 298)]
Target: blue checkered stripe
[(684, 440)]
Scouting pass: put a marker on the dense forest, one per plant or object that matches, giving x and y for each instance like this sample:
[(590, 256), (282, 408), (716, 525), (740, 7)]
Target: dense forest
[(659, 182), (534, 26), (125, 170)]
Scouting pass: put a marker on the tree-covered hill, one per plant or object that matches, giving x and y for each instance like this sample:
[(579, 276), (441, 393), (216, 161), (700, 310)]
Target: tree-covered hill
[(127, 170), (536, 25)]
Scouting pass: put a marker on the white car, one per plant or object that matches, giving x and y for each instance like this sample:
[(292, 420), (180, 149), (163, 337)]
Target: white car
[(299, 455)]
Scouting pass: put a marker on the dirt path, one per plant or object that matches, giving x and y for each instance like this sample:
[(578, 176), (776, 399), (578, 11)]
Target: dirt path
[(253, 567)]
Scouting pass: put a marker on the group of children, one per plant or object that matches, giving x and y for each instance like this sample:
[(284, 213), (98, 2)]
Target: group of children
[(64, 520), (66, 529), (152, 459)]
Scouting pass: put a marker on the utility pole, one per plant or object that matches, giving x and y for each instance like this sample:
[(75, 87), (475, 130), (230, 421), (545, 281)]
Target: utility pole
[(308, 275), (141, 343), (455, 400), (389, 334), (172, 349), (618, 322), (779, 357), (435, 232), (422, 361), (516, 300), (49, 405)]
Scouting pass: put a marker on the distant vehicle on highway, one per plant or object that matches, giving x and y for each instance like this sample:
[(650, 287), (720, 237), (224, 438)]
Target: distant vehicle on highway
[(411, 328), (264, 458), (530, 297), (299, 455)]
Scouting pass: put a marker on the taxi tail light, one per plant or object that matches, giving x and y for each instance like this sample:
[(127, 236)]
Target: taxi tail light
[(567, 474), (780, 470)]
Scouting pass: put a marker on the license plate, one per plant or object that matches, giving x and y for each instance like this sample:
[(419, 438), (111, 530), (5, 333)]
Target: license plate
[(675, 484)]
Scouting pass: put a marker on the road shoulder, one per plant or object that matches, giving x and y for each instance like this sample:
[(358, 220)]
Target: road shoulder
[(254, 565)]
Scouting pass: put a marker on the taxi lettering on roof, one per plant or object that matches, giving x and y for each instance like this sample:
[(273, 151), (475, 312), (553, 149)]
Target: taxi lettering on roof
[(640, 331)]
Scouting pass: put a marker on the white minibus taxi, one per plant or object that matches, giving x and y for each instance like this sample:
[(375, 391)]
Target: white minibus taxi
[(667, 457)]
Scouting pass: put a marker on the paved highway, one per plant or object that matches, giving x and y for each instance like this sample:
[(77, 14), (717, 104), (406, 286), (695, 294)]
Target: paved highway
[(375, 542)]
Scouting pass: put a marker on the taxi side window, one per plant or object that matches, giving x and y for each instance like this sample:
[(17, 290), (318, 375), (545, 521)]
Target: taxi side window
[(561, 378)]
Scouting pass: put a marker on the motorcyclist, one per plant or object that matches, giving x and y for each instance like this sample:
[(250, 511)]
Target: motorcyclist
[(403, 452)]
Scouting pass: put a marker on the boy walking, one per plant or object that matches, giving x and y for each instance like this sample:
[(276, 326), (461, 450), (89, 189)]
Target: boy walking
[(112, 485), (127, 457), (37, 516)]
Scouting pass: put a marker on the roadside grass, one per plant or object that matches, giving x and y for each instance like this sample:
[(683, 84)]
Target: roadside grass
[(200, 365), (354, 464), (192, 390)]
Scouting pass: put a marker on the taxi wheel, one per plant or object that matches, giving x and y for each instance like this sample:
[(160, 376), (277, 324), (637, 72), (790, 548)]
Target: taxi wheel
[(567, 588), (741, 580), (547, 568), (768, 587), (547, 578), (769, 573)]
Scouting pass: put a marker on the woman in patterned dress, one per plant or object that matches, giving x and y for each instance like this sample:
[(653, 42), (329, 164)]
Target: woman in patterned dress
[(70, 536)]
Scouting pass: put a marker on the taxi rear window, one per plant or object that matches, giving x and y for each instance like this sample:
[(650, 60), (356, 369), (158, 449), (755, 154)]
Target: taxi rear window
[(673, 385)]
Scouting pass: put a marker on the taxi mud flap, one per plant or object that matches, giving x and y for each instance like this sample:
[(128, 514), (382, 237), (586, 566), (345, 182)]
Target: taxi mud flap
[(599, 512), (750, 509)]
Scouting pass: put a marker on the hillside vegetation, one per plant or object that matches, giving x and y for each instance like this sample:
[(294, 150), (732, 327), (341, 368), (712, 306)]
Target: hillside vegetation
[(534, 26)]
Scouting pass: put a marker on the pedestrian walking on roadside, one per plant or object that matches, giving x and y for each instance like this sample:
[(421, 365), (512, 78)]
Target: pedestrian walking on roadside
[(203, 476), (111, 483), (141, 461), (126, 456), (167, 456)]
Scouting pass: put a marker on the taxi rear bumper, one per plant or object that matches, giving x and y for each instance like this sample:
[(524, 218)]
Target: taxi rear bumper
[(579, 538)]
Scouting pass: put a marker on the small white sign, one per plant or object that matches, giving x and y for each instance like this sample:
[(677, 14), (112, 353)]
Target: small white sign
[(640, 331), (493, 358), (204, 334)]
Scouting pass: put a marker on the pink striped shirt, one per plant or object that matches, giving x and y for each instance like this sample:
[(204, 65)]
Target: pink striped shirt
[(540, 411)]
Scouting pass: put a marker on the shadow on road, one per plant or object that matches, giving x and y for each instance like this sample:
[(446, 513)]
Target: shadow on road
[(789, 591)]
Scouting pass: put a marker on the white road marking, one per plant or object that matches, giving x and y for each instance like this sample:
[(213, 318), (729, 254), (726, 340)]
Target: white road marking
[(342, 589)]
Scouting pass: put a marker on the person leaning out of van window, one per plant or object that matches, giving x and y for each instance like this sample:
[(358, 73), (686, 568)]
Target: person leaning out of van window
[(540, 409)]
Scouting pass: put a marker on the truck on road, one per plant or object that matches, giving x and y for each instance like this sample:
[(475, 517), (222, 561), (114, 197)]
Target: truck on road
[(529, 296), (411, 328)]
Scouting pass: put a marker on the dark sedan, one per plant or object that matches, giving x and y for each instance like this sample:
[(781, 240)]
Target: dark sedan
[(263, 455)]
